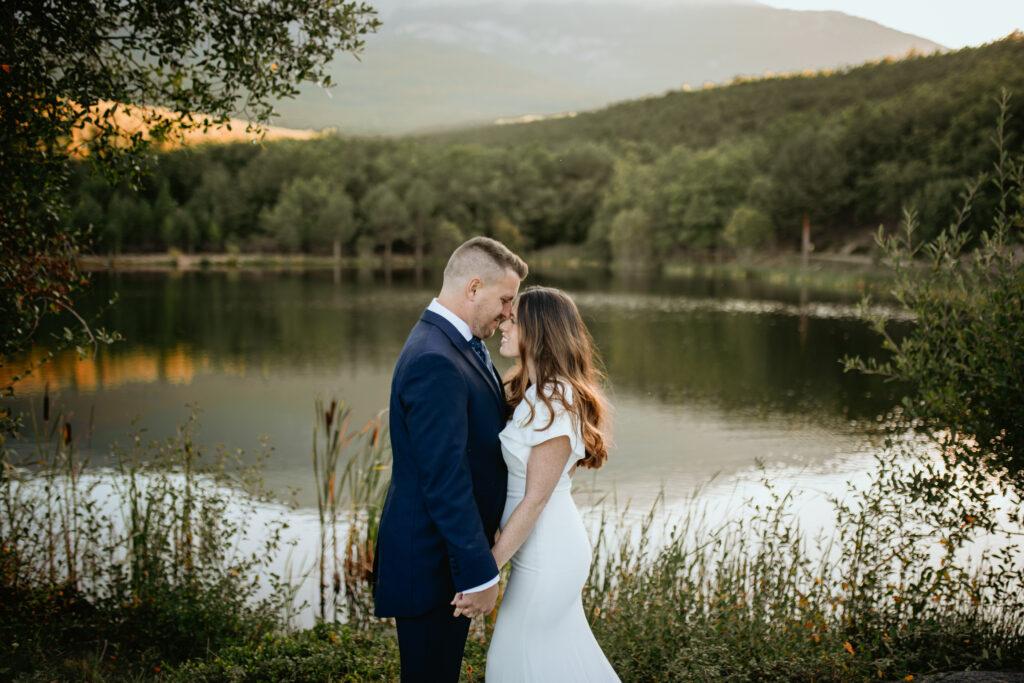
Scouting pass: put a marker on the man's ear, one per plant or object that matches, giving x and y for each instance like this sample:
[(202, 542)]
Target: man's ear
[(472, 287)]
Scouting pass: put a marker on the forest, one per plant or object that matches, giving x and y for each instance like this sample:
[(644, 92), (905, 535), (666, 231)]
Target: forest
[(728, 169)]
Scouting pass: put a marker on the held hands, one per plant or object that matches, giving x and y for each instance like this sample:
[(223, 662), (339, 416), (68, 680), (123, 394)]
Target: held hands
[(474, 604)]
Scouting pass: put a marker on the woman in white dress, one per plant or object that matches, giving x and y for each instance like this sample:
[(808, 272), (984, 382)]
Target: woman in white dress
[(558, 424)]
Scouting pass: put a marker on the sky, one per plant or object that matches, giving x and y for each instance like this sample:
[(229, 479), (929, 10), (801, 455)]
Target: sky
[(952, 23)]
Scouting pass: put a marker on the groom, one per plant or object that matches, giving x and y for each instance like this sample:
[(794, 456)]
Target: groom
[(448, 477)]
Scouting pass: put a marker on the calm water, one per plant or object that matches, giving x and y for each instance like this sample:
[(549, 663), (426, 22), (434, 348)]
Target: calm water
[(706, 376)]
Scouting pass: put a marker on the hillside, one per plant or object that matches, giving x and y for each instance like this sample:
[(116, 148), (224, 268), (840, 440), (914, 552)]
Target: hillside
[(705, 117), (440, 65)]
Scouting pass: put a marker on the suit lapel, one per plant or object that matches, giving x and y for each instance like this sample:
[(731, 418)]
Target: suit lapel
[(463, 347)]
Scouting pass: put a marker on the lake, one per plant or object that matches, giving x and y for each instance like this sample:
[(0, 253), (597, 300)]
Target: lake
[(706, 376)]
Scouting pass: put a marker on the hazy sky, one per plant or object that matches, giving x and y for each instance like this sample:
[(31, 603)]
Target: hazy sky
[(953, 23)]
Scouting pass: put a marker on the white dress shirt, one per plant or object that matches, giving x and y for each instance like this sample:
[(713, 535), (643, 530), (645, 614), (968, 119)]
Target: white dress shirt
[(463, 327)]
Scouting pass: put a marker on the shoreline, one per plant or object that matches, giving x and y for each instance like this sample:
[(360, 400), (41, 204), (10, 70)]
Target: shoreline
[(220, 261), (830, 272)]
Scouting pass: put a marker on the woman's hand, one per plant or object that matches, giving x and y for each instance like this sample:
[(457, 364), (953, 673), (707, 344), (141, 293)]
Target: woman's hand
[(547, 460)]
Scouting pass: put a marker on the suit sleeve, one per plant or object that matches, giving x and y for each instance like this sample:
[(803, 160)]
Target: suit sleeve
[(435, 396)]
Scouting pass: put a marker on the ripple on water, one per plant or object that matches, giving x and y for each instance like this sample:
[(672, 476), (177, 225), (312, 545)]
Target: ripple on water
[(674, 304)]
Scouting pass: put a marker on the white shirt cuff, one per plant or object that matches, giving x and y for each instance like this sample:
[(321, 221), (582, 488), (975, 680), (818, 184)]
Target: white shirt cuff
[(483, 586)]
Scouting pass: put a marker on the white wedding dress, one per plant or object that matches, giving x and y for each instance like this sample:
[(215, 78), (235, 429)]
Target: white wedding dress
[(542, 633)]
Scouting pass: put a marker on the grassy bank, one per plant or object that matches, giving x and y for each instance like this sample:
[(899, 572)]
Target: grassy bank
[(823, 273)]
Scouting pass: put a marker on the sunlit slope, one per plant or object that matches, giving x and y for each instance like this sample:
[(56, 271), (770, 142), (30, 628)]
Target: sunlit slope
[(129, 120)]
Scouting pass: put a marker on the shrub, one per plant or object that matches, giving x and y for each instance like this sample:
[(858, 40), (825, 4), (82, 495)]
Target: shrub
[(748, 229), (326, 652), (964, 356), (631, 240), (140, 563)]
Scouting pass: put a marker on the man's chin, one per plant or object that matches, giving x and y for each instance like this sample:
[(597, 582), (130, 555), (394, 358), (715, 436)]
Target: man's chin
[(488, 332)]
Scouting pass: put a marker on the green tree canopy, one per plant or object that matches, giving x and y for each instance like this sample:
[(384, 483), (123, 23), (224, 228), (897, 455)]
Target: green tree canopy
[(69, 70), (421, 201), (387, 216), (963, 359), (748, 229), (310, 215)]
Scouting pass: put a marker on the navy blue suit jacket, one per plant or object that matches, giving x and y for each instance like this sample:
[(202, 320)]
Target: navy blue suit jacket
[(448, 476)]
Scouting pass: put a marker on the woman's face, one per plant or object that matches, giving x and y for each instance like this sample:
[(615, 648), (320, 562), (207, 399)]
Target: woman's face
[(510, 334)]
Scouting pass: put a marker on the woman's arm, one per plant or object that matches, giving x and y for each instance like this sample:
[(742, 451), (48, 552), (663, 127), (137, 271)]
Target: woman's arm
[(543, 469)]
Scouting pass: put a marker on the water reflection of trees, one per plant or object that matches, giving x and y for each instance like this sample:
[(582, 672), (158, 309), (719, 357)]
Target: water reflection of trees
[(231, 322), (740, 361)]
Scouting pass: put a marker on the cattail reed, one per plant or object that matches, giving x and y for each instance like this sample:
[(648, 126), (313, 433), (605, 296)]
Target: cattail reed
[(349, 465)]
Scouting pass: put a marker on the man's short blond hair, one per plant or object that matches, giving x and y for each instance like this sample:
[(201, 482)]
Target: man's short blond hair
[(482, 257)]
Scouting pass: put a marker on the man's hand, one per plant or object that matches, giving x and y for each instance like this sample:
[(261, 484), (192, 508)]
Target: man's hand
[(474, 604)]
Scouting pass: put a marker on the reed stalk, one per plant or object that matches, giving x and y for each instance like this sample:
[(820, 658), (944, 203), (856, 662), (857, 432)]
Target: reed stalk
[(348, 468)]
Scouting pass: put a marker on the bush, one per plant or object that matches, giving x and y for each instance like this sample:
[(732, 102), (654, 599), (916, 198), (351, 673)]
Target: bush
[(326, 652), (934, 203), (964, 357), (446, 238), (141, 563), (753, 599), (631, 241), (748, 229), (506, 232)]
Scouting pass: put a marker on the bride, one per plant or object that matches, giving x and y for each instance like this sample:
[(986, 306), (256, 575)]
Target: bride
[(558, 424)]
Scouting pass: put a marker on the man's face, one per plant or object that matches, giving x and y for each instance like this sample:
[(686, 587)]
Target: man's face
[(492, 303)]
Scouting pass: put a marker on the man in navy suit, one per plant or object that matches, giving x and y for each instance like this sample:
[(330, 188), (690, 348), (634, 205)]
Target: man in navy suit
[(448, 476)]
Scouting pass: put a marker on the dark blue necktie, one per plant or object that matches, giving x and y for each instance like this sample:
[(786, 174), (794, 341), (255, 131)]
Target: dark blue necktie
[(481, 352)]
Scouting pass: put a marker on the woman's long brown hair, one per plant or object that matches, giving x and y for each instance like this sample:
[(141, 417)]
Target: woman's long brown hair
[(552, 334)]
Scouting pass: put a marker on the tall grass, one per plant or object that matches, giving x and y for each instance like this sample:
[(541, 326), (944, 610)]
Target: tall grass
[(134, 565), (889, 594)]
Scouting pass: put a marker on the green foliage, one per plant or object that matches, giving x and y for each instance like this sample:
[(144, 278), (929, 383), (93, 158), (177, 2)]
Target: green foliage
[(505, 231), (964, 364), (809, 177), (387, 217), (447, 237), (695, 192), (327, 652), (310, 216), (421, 201), (70, 72), (906, 105), (142, 565), (748, 229), (631, 241), (964, 357), (669, 597), (755, 599)]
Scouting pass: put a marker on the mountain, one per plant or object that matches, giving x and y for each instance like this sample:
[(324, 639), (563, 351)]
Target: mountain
[(447, 65)]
